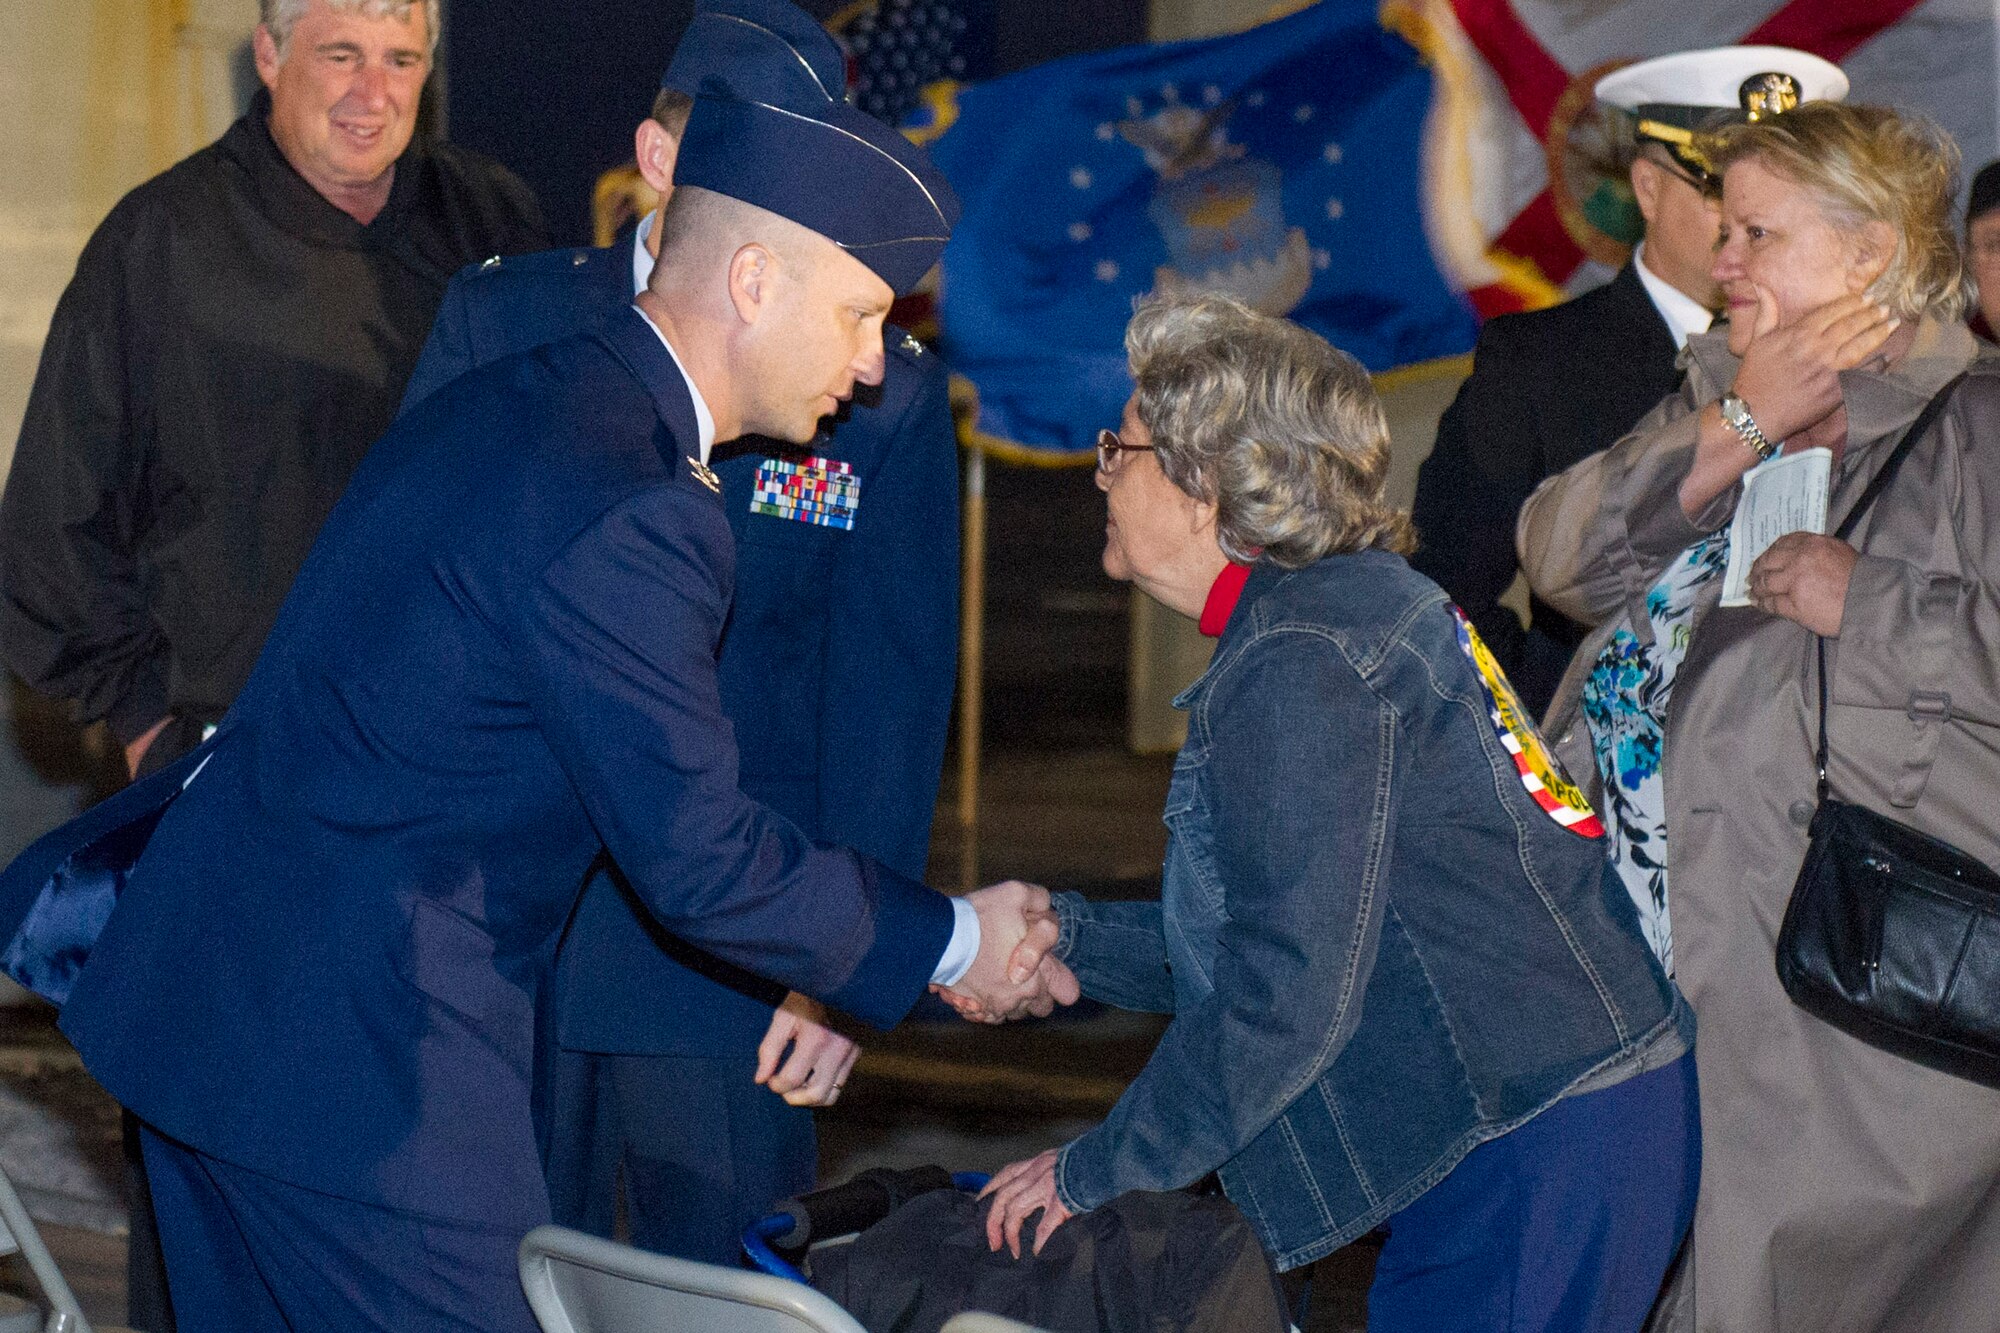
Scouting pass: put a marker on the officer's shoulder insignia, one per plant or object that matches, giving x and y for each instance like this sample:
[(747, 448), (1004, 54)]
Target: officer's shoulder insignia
[(910, 345), (704, 474)]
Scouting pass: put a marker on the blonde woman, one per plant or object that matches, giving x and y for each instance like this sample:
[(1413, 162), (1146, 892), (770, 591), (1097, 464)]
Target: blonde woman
[(1844, 1190)]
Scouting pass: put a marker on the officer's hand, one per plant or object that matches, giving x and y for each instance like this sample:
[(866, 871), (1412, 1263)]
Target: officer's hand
[(1012, 976), (815, 1069)]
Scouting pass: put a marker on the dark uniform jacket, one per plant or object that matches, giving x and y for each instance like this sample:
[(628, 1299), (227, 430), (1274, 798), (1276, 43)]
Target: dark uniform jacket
[(497, 663), (229, 347), (837, 664), (1547, 389)]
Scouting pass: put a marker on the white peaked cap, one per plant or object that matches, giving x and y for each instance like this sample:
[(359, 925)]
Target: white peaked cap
[(1715, 78)]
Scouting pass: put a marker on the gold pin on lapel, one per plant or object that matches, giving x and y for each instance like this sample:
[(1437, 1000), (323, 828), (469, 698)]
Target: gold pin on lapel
[(704, 474)]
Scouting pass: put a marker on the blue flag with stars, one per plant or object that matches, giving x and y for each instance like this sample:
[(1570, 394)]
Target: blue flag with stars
[(1280, 165)]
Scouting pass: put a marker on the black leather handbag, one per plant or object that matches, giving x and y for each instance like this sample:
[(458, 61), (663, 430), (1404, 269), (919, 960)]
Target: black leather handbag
[(1892, 935)]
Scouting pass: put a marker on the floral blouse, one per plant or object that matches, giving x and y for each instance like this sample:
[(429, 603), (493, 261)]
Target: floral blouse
[(1625, 702)]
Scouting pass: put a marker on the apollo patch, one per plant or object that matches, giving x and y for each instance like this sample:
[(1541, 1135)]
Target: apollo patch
[(1541, 773), (817, 490)]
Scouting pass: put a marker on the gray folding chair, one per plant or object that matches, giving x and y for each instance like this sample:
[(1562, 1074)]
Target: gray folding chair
[(18, 1235), (581, 1284)]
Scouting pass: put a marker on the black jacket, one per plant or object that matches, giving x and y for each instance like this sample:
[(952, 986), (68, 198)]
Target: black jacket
[(1143, 1263), (1547, 388), (230, 346)]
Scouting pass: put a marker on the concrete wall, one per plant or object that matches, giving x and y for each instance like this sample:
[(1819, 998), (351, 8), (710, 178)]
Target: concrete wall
[(98, 95)]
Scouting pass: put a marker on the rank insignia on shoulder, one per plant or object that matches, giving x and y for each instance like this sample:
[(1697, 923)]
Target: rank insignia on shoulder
[(911, 345), (489, 264), (817, 490), (704, 474)]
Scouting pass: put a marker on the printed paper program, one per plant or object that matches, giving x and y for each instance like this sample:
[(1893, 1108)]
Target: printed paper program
[(1786, 494)]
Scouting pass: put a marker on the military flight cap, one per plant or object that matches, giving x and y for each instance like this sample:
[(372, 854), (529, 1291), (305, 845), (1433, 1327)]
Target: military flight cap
[(1677, 97), (833, 169), (757, 51)]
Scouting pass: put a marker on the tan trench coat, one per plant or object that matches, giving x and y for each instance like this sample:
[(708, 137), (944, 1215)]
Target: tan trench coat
[(1843, 1190)]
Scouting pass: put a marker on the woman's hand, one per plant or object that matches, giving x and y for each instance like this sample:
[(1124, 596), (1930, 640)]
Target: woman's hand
[(1790, 376), (1790, 381), (817, 1068), (1803, 577), (1017, 1191)]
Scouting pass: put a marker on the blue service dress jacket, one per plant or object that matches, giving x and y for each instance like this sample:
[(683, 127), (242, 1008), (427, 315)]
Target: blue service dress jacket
[(837, 662), (498, 661)]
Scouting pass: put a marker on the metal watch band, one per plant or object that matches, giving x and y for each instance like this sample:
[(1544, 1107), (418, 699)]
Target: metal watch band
[(1736, 416)]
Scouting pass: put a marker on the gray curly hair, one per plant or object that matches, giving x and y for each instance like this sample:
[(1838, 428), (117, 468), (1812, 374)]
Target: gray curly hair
[(1275, 426), (280, 15)]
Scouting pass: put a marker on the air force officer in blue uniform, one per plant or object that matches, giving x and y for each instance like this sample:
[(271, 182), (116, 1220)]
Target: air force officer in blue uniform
[(317, 990), (836, 671)]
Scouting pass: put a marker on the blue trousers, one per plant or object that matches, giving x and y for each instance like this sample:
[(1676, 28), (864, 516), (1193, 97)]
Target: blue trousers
[(701, 1150), (1566, 1224), (250, 1254)]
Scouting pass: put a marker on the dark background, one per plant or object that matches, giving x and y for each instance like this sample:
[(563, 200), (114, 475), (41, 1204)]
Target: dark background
[(554, 90)]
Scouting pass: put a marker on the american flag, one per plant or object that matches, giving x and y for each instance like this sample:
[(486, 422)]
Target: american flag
[(898, 46)]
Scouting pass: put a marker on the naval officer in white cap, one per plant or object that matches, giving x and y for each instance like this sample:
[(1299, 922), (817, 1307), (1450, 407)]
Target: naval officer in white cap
[(1554, 386)]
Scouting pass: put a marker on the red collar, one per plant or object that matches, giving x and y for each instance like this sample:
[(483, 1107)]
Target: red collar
[(1222, 598)]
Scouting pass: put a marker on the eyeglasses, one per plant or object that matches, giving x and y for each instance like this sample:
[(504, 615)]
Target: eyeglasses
[(1109, 447), (1699, 182)]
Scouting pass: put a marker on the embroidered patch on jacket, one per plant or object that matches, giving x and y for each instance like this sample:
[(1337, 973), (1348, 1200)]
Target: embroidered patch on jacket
[(815, 490), (1541, 772)]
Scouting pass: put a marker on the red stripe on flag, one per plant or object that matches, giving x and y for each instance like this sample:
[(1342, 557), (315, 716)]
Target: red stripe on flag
[(1832, 29), (1533, 78), (1496, 298), (1538, 236)]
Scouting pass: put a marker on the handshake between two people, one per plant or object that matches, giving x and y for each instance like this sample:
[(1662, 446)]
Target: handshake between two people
[(805, 1060), (1014, 974)]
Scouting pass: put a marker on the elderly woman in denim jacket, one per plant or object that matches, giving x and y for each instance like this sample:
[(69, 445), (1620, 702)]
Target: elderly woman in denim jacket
[(1403, 989)]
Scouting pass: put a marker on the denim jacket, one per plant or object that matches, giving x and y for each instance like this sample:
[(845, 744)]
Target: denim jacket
[(1383, 938)]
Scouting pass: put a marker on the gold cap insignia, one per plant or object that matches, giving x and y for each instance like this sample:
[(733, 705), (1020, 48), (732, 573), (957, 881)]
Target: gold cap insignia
[(1685, 145), (1769, 94)]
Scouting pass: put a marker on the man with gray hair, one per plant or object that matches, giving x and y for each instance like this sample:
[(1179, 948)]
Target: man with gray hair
[(239, 329)]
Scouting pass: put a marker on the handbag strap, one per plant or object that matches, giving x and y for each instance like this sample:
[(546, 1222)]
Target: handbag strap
[(1876, 485)]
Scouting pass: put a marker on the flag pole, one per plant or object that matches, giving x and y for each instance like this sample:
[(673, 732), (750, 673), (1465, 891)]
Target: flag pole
[(971, 661)]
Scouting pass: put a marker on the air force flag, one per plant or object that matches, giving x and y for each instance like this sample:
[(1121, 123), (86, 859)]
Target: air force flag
[(1280, 165)]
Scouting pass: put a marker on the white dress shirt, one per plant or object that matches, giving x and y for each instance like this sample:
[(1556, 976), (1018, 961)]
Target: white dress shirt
[(1684, 315)]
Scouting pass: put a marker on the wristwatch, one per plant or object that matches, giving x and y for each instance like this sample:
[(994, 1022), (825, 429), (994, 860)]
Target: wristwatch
[(1736, 416)]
